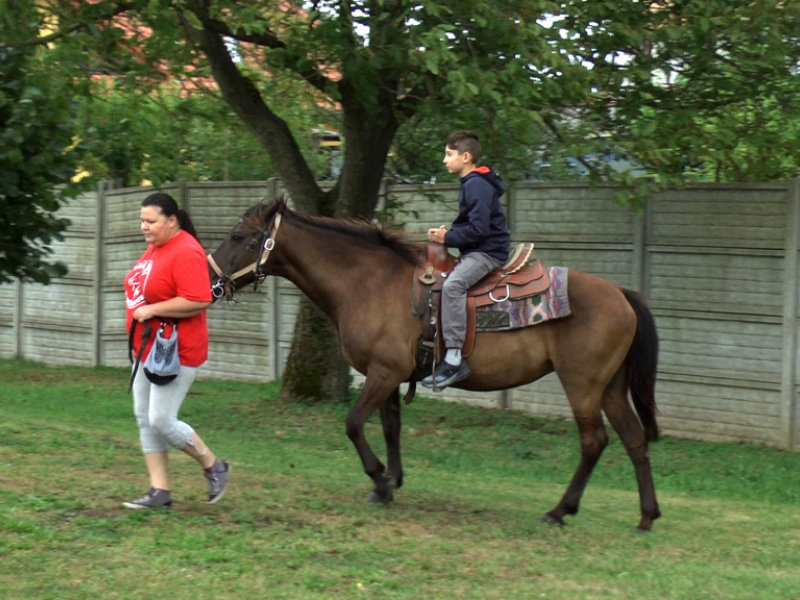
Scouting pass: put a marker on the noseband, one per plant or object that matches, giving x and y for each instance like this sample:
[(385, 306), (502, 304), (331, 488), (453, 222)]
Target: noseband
[(225, 279)]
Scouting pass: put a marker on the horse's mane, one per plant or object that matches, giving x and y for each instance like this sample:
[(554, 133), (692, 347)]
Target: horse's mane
[(360, 231)]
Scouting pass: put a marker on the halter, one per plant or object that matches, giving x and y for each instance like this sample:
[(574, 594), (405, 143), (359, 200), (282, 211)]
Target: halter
[(265, 245)]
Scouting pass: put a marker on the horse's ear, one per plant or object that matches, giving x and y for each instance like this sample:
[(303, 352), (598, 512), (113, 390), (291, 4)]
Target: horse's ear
[(280, 203)]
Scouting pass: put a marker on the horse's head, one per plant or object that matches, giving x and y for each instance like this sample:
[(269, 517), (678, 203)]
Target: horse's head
[(241, 257)]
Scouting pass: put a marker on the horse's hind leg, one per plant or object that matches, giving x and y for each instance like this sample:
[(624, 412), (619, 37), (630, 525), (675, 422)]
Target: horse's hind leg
[(390, 418), (593, 439), (624, 421)]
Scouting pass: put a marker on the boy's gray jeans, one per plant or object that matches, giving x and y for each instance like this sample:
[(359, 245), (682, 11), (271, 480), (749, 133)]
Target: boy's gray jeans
[(470, 270)]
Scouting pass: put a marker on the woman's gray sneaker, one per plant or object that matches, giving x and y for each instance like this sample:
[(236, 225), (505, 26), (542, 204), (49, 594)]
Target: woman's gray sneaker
[(154, 499), (217, 477)]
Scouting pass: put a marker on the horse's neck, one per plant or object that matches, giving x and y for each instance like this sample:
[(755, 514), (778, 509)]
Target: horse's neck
[(324, 265)]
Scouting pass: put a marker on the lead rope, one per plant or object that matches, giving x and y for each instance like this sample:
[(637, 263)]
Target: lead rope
[(145, 336)]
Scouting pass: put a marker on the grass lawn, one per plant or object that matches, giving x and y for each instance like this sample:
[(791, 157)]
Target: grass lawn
[(294, 523)]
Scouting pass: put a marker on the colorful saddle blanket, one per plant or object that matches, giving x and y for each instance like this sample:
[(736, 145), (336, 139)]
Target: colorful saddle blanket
[(514, 313)]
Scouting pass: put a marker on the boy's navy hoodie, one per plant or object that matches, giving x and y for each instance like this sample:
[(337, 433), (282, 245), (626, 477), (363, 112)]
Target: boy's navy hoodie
[(481, 222)]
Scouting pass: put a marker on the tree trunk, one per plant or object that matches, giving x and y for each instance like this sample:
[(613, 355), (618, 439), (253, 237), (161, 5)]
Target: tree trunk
[(315, 369), (368, 137)]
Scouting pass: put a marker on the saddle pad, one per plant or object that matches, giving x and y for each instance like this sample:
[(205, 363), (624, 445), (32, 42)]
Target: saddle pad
[(513, 314)]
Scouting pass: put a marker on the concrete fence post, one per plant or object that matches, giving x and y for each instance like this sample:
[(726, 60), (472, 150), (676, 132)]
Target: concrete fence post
[(641, 219), (506, 397), (19, 295), (273, 316), (99, 271), (790, 294), (271, 188), (183, 196)]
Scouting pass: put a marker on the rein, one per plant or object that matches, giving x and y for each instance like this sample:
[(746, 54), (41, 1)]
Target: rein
[(222, 286)]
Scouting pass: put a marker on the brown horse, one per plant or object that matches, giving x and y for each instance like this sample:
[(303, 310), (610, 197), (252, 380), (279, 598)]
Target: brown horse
[(361, 277)]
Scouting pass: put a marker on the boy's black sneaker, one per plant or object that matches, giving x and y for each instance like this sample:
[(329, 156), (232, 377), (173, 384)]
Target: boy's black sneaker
[(447, 374)]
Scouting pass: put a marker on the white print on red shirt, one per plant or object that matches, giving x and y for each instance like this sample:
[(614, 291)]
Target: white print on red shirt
[(136, 283)]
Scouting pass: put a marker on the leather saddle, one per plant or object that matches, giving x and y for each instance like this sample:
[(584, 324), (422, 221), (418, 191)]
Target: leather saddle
[(520, 277)]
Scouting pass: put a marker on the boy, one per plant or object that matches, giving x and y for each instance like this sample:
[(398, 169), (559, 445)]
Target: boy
[(481, 235)]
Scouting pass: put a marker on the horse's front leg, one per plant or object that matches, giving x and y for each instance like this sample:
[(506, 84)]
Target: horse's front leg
[(375, 392), (390, 418)]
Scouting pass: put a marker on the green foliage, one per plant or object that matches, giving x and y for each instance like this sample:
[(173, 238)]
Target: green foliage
[(755, 140), (513, 142), (686, 90), (168, 134), (38, 157), (691, 84), (162, 136)]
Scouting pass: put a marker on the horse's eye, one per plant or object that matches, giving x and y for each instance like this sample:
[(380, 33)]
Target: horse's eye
[(236, 238)]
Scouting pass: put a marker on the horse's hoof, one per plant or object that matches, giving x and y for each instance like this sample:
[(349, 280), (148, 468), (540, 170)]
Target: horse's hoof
[(375, 498), (549, 519)]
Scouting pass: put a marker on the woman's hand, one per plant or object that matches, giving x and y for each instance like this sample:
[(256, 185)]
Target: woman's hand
[(144, 313)]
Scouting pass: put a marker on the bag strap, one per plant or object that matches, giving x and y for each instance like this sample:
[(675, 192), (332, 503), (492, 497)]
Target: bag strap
[(145, 336)]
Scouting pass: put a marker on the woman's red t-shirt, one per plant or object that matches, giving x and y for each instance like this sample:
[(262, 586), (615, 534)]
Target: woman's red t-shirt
[(178, 268)]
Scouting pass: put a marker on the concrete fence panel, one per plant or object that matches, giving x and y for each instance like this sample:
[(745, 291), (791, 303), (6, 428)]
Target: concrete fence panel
[(717, 263)]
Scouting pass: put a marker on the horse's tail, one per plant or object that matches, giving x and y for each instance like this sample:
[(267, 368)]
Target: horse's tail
[(642, 361)]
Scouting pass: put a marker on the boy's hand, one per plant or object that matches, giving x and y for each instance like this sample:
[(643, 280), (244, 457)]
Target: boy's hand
[(437, 234)]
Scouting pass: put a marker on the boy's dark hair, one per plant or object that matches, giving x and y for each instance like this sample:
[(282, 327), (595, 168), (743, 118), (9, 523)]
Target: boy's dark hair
[(466, 141), (168, 208)]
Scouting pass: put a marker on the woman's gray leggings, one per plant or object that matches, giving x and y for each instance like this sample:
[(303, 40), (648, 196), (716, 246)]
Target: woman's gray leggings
[(156, 408)]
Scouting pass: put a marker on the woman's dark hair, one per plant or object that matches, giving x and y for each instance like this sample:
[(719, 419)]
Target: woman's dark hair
[(168, 208)]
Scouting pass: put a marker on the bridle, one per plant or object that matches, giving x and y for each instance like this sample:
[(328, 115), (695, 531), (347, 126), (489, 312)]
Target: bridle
[(226, 279)]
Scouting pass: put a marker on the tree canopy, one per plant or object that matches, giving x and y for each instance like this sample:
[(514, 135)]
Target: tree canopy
[(163, 135), (38, 157), (671, 86)]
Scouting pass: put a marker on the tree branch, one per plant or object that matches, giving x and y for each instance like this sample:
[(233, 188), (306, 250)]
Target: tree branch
[(244, 98), (265, 39), (409, 103)]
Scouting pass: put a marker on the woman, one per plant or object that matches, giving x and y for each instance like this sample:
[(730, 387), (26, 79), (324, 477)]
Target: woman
[(170, 283)]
